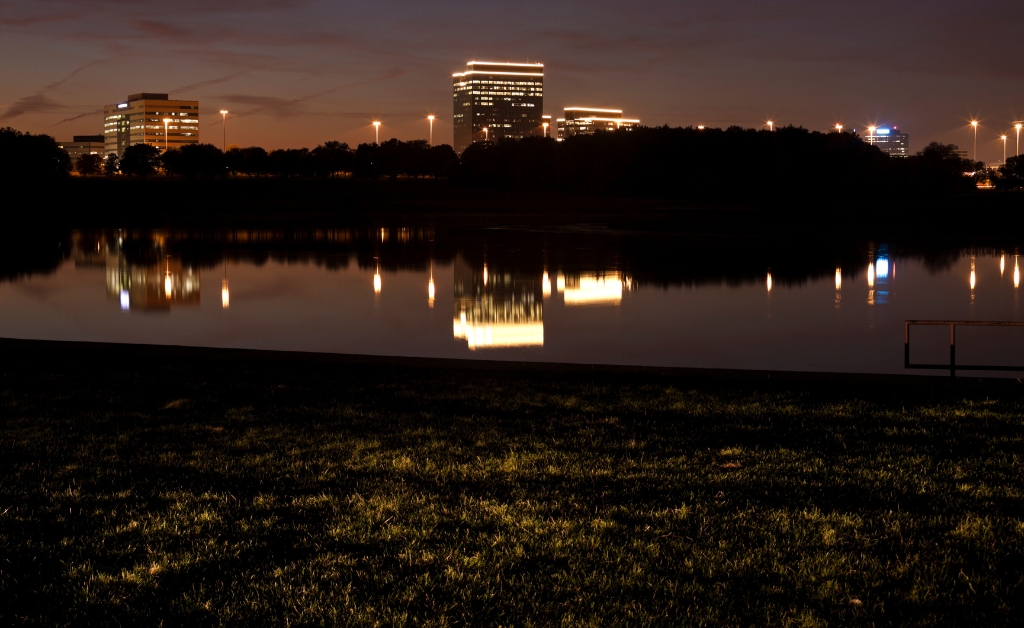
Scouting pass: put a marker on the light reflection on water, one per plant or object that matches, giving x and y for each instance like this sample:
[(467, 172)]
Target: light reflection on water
[(510, 305)]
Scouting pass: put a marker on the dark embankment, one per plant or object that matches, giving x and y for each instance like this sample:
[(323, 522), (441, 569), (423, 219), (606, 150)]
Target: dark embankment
[(172, 486)]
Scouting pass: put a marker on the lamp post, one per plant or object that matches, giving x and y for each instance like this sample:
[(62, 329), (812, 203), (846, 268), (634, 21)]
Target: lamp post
[(974, 123), (430, 119), (545, 125), (376, 133), (166, 122), (871, 134), (224, 121), (839, 128), (1003, 137), (1017, 125), (700, 127), (485, 134), (771, 125)]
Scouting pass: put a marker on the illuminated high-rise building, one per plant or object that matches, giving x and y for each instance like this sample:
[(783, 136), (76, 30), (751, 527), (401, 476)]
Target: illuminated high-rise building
[(494, 100), (889, 140), (587, 120), (140, 120)]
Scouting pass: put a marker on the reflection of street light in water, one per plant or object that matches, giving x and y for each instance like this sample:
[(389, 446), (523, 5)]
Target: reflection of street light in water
[(1016, 273), (871, 275), (973, 279), (769, 282), (485, 274), (1002, 264), (430, 286), (167, 279), (225, 298), (839, 278), (376, 278), (545, 283)]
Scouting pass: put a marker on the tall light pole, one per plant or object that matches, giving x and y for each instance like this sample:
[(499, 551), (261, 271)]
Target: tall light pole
[(431, 120), (871, 134), (1003, 137), (166, 122), (376, 133), (224, 121), (485, 134), (545, 125), (974, 123), (771, 125), (1017, 125), (839, 128)]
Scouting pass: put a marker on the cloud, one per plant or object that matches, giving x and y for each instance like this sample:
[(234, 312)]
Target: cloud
[(78, 117), (36, 103)]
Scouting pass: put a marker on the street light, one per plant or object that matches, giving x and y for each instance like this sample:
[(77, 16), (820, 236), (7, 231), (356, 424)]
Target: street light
[(485, 137), (771, 125), (545, 125), (224, 121), (430, 142), (376, 133), (871, 134), (1017, 125), (700, 127), (974, 123), (1003, 137), (839, 128), (166, 122)]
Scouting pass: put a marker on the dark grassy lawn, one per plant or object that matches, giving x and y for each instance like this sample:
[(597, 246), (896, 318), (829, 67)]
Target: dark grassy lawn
[(153, 487)]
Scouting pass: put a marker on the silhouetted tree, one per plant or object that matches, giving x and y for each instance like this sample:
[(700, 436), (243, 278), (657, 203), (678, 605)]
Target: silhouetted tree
[(27, 157), (252, 161), (291, 162), (331, 158), (1011, 174), (443, 161), (140, 160), (111, 165), (89, 165), (195, 160)]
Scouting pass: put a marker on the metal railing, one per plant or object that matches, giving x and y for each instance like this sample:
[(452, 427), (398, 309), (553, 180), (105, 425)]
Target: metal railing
[(953, 366)]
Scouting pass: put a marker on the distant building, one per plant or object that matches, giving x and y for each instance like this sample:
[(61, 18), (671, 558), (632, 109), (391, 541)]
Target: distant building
[(587, 120), (506, 99), (960, 152), (83, 145), (889, 140), (140, 120)]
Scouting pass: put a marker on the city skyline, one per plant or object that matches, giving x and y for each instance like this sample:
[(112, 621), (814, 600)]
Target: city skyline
[(291, 79)]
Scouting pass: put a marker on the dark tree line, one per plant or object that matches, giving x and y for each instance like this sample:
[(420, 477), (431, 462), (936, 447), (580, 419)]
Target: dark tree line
[(649, 162)]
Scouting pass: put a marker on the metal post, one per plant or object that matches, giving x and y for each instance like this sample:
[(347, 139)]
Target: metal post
[(906, 344), (952, 349)]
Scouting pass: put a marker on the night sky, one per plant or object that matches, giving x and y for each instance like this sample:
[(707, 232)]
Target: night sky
[(299, 72)]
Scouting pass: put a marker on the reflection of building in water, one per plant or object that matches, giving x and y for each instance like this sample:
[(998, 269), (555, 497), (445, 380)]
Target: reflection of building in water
[(151, 286), (497, 309), (878, 276), (592, 288)]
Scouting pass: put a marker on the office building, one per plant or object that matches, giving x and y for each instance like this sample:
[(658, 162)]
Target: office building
[(587, 120), (960, 152), (889, 141), (495, 100), (140, 120), (83, 145)]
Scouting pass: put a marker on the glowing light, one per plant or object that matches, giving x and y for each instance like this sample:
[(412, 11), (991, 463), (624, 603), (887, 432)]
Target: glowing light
[(882, 131), (166, 141), (545, 283), (430, 142), (123, 105), (594, 289), (560, 283), (1016, 273), (839, 128), (974, 280), (871, 275), (485, 274), (496, 335), (376, 132), (839, 279), (1002, 264), (545, 125), (225, 297), (771, 125), (769, 282), (224, 123), (485, 134), (882, 267), (125, 300), (430, 292), (376, 282), (700, 127), (167, 285)]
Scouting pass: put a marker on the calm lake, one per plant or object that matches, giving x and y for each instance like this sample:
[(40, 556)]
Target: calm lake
[(561, 293)]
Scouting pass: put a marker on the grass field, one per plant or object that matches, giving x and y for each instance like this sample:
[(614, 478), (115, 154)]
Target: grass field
[(175, 487)]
